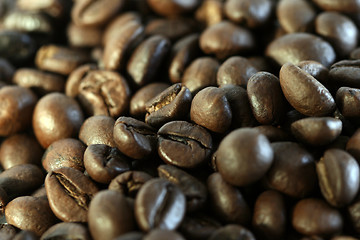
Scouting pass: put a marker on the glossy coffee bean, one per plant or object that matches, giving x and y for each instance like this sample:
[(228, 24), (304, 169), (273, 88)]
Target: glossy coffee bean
[(195, 191), (103, 162), (83, 36), (171, 104), (296, 178), (20, 149), (348, 102), (76, 77), (343, 73), (67, 231), (211, 109), (97, 130), (159, 204), (227, 201), (129, 182), (315, 69), (349, 6), (304, 92), (184, 144), (338, 174), (67, 152), (160, 234), (210, 12), (110, 207), (30, 213), (225, 39), (313, 216), (198, 226), (232, 231), (16, 47), (69, 192), (134, 138), (17, 104), (172, 7), (56, 116)]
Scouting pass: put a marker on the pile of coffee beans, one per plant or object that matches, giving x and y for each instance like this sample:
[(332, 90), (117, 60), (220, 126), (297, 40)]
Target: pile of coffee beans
[(179, 119)]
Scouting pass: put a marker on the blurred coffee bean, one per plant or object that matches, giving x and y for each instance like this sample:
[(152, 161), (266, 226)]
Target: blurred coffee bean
[(7, 70), (232, 231), (130, 236), (67, 230), (97, 130), (129, 183), (353, 145), (160, 234), (84, 36), (315, 69), (198, 227), (344, 73), (210, 12), (25, 235), (55, 8), (172, 7), (348, 6)]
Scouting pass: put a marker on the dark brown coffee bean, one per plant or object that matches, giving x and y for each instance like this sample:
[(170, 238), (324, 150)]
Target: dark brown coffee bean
[(210, 12), (161, 234), (338, 174), (25, 235), (84, 36), (58, 59), (226, 201), (266, 98), (200, 73), (95, 13), (7, 71), (235, 71), (348, 102), (144, 94), (211, 109), (147, 58), (194, 190), (103, 162), (171, 104), (315, 69), (134, 138), (110, 207), (344, 73), (273, 134), (76, 77), (244, 156), (348, 6), (249, 12), (104, 92), (269, 219), (129, 183), (30, 213), (159, 204), (16, 47), (304, 92), (97, 130), (20, 149), (232, 231), (172, 7), (353, 145), (67, 152), (69, 192), (297, 47), (183, 53), (225, 39), (296, 178), (55, 8), (17, 104), (198, 227), (67, 231), (56, 116), (313, 216)]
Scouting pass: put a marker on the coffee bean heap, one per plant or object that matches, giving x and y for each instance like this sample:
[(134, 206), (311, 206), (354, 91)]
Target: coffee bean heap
[(179, 119)]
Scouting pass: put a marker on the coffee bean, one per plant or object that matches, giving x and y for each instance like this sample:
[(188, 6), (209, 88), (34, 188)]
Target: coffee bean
[(103, 163), (129, 183), (159, 204), (160, 234), (56, 116), (172, 7), (198, 227), (304, 92), (243, 157), (16, 47), (76, 77), (25, 235), (232, 231), (353, 213), (110, 207), (350, 6), (315, 69), (273, 134), (69, 192), (343, 73), (67, 230), (353, 144), (130, 236), (83, 36), (97, 130), (211, 109), (55, 8), (210, 12), (7, 71)]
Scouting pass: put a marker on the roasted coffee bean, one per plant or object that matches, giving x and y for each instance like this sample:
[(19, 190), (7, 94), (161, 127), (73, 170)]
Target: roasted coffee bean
[(59, 59), (353, 213), (269, 219), (84, 36), (343, 73), (110, 207), (211, 109), (252, 13), (104, 93), (130, 236), (200, 73), (338, 174), (56, 116), (160, 234), (97, 130), (76, 77), (129, 183), (210, 12), (144, 94), (232, 231), (227, 201), (313, 216), (55, 8), (348, 102), (30, 213), (304, 92), (171, 104), (183, 52), (349, 6), (159, 204), (67, 152), (244, 156), (20, 149), (195, 191), (297, 47), (69, 192), (134, 138), (17, 105), (198, 227), (353, 144), (16, 47), (8, 229), (25, 235), (235, 71), (266, 98), (315, 69), (296, 178), (172, 7), (94, 13), (225, 39), (273, 134), (67, 231), (103, 162)]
